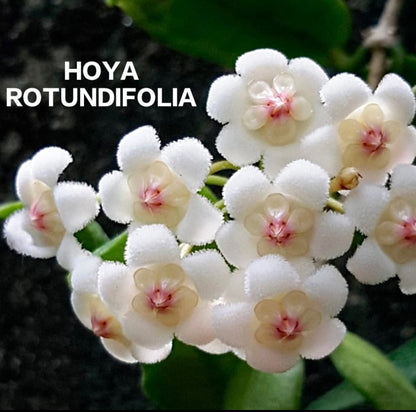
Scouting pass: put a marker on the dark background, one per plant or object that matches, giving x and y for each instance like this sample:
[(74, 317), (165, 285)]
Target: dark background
[(48, 360)]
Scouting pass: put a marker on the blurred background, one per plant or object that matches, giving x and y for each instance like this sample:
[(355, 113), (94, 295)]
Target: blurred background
[(48, 360)]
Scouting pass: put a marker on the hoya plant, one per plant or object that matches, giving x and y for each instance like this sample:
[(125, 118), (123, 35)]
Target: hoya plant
[(227, 277)]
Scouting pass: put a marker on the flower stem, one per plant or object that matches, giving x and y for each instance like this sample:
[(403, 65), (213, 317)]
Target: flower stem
[(216, 180), (335, 205), (221, 165)]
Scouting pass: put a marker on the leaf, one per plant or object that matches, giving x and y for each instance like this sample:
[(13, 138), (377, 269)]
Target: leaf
[(250, 389), (92, 236), (221, 30), (113, 249), (373, 374), (344, 396), (189, 379), (6, 209)]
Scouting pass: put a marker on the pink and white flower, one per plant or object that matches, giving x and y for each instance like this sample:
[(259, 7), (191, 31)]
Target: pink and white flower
[(388, 219), (160, 186), (157, 295), (369, 131), (275, 315), (51, 209), (284, 217), (266, 107)]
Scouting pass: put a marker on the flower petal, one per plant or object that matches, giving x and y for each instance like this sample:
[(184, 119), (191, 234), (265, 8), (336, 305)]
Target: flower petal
[(116, 198), (364, 206), (69, 251), (370, 265), (407, 276), (344, 93), (245, 189), (144, 355), (216, 347), (208, 271), (190, 160), (49, 163), (77, 204), (261, 64), (200, 223), (329, 288), (332, 236), (80, 303), (84, 276), (403, 180), (397, 95), (271, 361), (24, 179), (223, 95), (151, 244), (305, 181), (232, 323), (197, 329), (237, 245), (238, 146), (116, 286), (119, 350), (138, 148), (144, 332), (269, 275), (323, 340), (21, 237)]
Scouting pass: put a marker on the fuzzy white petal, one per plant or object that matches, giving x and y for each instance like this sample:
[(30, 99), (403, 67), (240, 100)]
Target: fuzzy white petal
[(116, 198), (397, 95), (324, 339), (261, 64), (238, 146), (269, 275), (365, 204), (200, 223), (332, 236), (407, 276), (370, 265), (116, 287), (21, 237), (118, 350), (197, 329), (69, 252), (224, 92), (84, 276), (189, 159), (232, 323), (344, 93), (144, 355), (321, 147), (77, 204), (208, 271), (329, 288), (146, 333), (236, 244), (216, 347), (24, 179), (48, 164), (80, 303), (138, 148), (271, 361), (305, 181), (151, 244), (244, 190), (403, 181)]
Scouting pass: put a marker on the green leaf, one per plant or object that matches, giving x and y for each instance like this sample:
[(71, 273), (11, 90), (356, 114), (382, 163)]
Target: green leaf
[(92, 236), (373, 374), (188, 379), (249, 389), (6, 209), (209, 194), (344, 395), (113, 249), (221, 30)]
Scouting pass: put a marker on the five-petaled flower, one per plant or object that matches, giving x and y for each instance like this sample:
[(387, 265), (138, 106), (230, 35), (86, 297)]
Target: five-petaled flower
[(50, 209), (159, 186)]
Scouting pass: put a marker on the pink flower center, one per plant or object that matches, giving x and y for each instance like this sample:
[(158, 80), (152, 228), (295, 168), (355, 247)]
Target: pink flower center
[(287, 327), (37, 217), (277, 231), (102, 327), (279, 106), (151, 198), (373, 140), (160, 299), (408, 231)]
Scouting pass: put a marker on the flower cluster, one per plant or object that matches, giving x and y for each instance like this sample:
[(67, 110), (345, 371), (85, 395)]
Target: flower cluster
[(317, 160)]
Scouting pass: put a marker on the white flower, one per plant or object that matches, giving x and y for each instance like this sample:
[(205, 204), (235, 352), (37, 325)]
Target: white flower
[(285, 217), (159, 186), (157, 295), (51, 209), (388, 219), (276, 315), (369, 131), (92, 311), (266, 107)]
